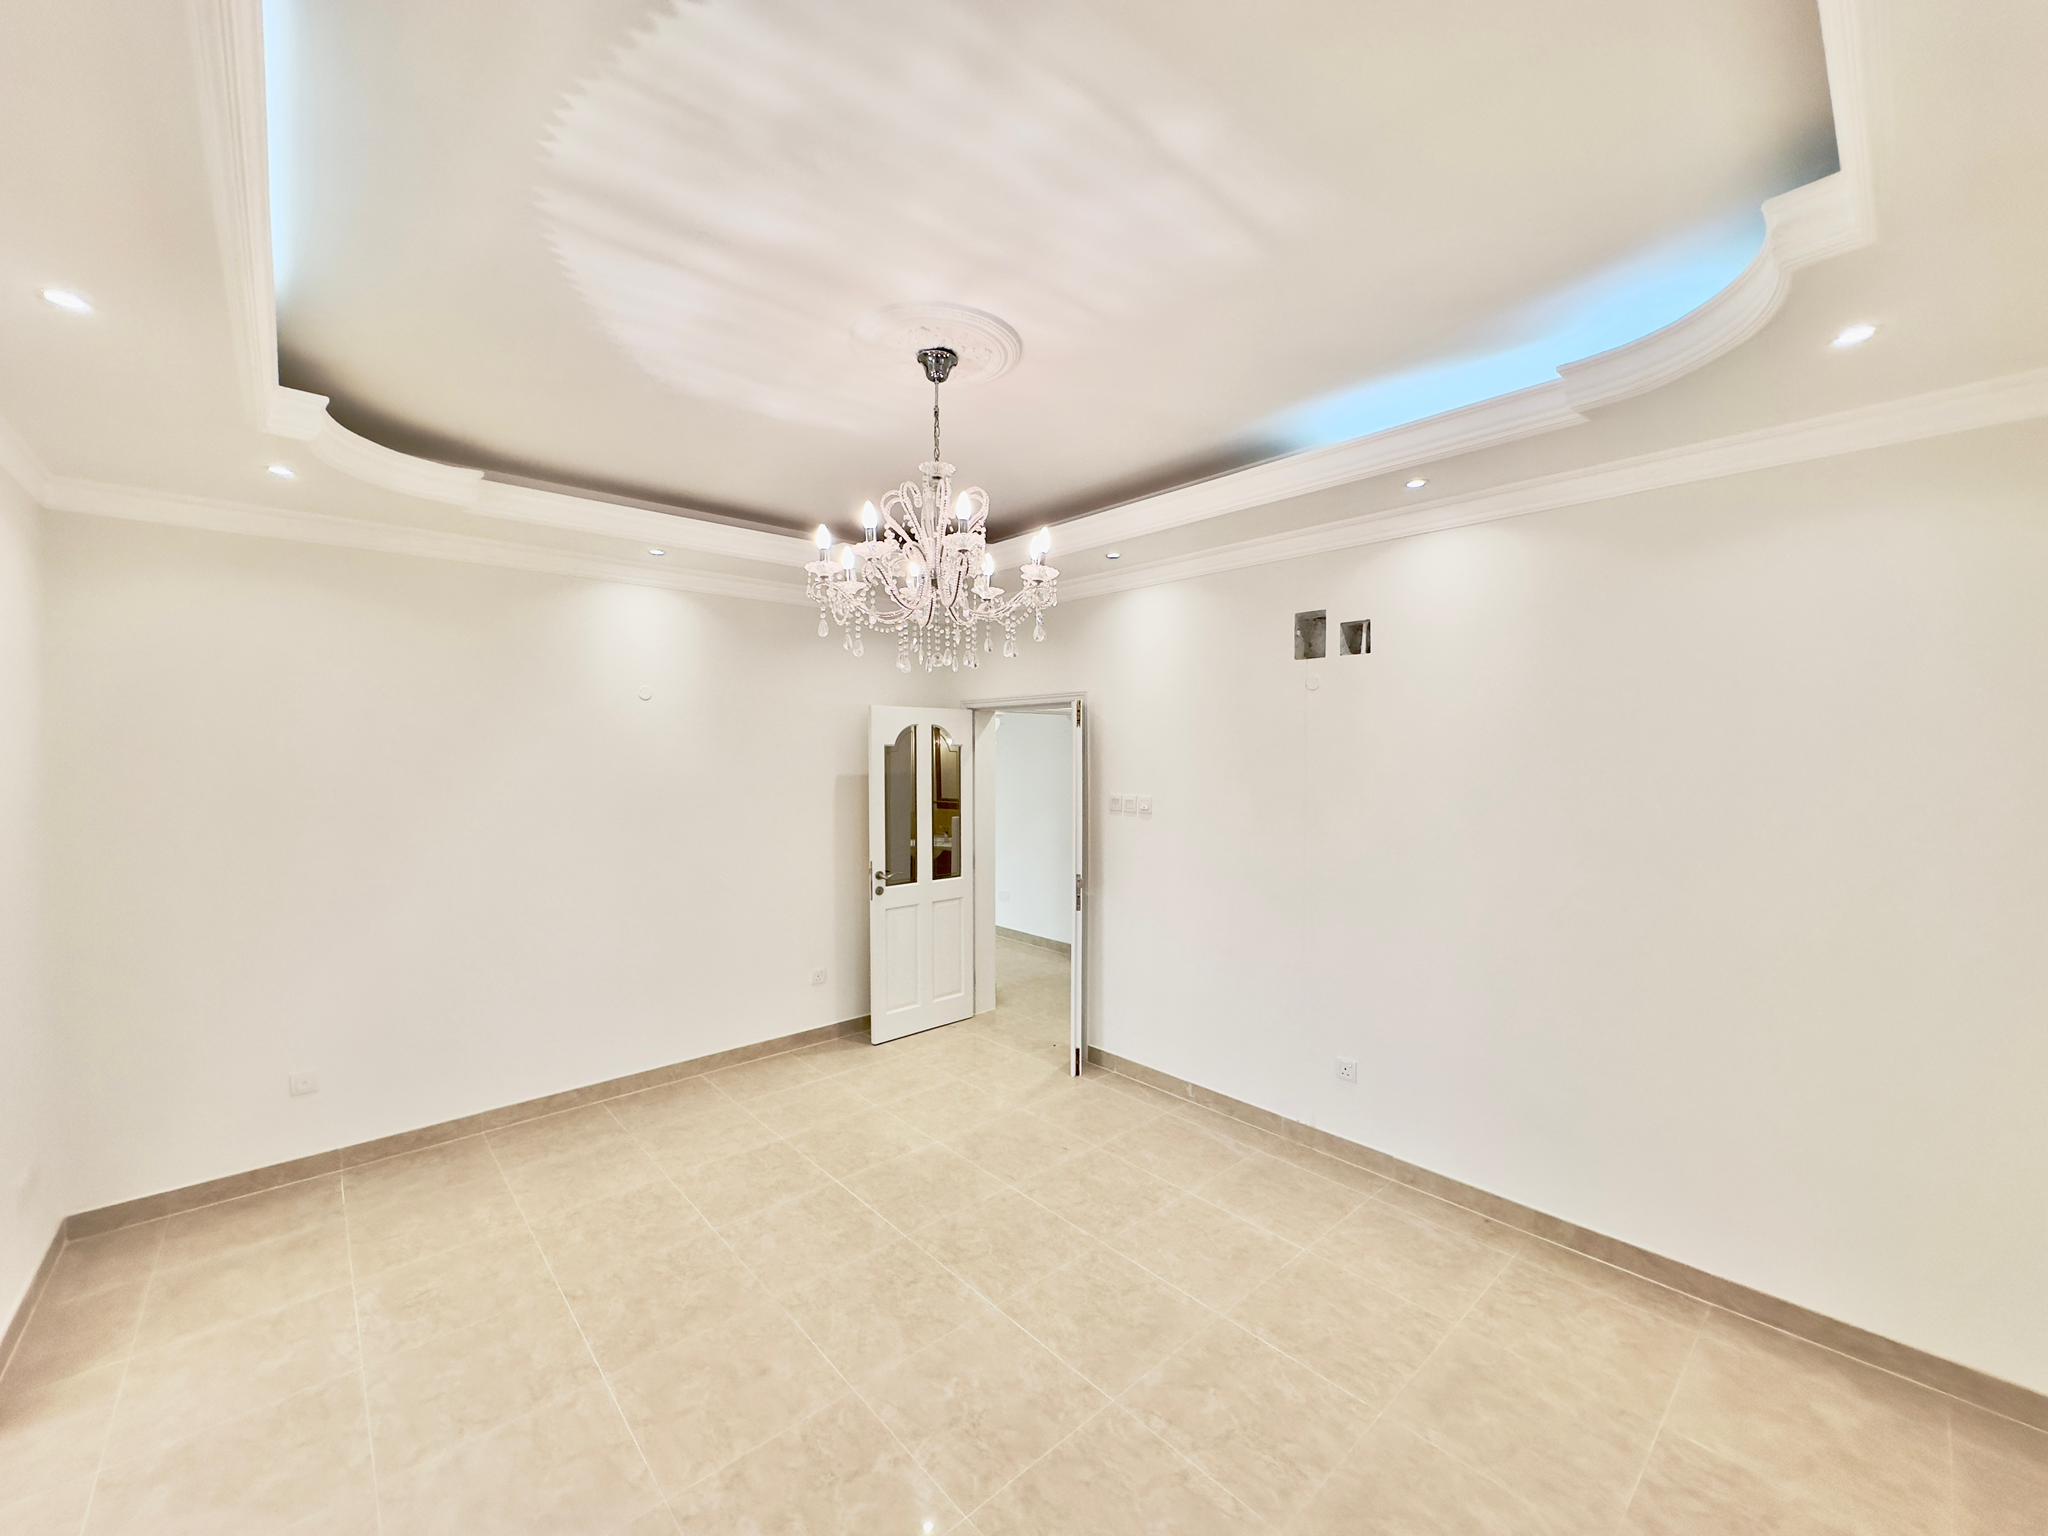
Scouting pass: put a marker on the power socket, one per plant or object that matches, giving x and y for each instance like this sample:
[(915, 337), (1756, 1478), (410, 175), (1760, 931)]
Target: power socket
[(1347, 1069), (299, 1084)]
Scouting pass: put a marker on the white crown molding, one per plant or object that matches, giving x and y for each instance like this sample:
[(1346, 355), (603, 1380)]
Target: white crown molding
[(1805, 225), (228, 44), (138, 505), (231, 98), (296, 414), (1809, 224), (18, 462), (1501, 420), (1967, 408)]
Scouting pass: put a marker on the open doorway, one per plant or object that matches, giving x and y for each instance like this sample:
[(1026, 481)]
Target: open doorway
[(1029, 865)]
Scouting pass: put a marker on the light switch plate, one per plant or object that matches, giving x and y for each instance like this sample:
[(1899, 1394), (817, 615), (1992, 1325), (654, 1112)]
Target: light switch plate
[(1144, 805), (1116, 805)]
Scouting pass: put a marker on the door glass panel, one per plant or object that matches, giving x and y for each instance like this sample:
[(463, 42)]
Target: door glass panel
[(899, 807), (947, 825)]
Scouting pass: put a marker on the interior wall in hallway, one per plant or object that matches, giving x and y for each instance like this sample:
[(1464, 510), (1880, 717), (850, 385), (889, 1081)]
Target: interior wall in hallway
[(409, 827), (32, 1162), (1677, 865), (1035, 825)]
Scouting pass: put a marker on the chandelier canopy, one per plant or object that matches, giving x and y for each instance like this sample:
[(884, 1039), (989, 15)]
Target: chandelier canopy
[(921, 569)]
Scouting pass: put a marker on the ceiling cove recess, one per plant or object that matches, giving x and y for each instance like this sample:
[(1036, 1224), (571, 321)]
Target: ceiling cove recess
[(1808, 224)]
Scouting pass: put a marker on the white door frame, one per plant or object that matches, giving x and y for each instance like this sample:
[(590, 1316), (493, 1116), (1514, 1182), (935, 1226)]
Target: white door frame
[(984, 829)]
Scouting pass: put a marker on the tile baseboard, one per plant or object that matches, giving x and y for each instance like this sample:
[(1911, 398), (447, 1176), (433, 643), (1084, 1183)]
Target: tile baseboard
[(15, 1324), (1962, 1382), (1036, 941), (127, 1213)]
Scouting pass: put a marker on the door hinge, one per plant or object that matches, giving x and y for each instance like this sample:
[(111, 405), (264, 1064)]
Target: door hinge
[(1077, 711), (1077, 893)]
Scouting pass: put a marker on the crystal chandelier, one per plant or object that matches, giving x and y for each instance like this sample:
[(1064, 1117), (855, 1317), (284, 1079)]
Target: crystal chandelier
[(922, 568)]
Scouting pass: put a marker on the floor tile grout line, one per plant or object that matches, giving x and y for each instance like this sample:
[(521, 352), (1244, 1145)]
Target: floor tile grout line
[(1112, 1400), (1109, 1399), (1380, 1414), (1217, 1314), (1181, 1192), (1115, 1404), (1692, 1346), (682, 1194), (1116, 1399), (470, 1437), (549, 1264), (1515, 1260), (852, 1390), (35, 1305), (1390, 1182), (369, 1162), (1009, 1104), (92, 1493), (1954, 1495), (362, 1361)]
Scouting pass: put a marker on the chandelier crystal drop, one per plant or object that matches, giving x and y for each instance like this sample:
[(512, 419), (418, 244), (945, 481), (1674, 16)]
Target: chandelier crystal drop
[(921, 569)]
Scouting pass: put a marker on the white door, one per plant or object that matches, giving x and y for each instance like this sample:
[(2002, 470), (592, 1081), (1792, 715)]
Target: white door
[(921, 868)]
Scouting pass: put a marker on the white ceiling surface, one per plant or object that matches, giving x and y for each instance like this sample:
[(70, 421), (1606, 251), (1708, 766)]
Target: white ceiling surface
[(627, 245), (104, 187)]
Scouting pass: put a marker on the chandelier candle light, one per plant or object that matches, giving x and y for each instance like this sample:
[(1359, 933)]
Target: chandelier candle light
[(922, 568)]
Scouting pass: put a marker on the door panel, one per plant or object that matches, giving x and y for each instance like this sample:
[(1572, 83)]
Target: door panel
[(950, 960), (921, 869), (900, 939)]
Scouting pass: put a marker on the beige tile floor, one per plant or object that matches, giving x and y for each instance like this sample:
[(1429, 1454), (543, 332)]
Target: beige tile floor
[(935, 1286)]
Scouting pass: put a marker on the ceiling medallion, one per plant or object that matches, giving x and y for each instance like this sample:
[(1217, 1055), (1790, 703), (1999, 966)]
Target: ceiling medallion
[(921, 569), (987, 347)]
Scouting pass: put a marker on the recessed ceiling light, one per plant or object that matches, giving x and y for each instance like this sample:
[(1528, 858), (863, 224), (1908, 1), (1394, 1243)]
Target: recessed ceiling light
[(64, 298), (1114, 554), (1854, 335), (1417, 483), (284, 472), (657, 551)]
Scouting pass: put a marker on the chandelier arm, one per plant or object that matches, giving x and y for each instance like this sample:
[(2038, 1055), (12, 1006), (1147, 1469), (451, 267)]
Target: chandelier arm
[(921, 572)]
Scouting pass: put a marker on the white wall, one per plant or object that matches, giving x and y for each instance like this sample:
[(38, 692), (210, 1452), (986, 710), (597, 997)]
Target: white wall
[(1677, 865), (407, 826), (1035, 824), (32, 1163)]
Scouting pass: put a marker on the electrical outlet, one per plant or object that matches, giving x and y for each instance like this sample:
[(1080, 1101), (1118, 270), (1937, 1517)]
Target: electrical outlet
[(1347, 1069), (1144, 805), (299, 1084), (818, 977)]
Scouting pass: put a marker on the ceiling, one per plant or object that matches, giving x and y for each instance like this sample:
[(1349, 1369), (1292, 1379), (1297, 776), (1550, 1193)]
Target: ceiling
[(682, 251), (133, 131)]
